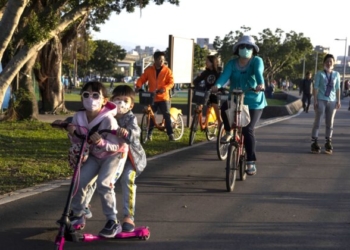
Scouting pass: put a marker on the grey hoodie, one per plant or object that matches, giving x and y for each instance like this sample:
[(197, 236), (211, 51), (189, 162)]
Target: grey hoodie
[(137, 154)]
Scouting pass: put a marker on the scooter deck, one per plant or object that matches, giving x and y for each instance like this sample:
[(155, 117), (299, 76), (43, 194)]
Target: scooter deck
[(142, 233)]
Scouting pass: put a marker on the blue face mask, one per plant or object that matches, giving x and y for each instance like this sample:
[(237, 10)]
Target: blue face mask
[(245, 53)]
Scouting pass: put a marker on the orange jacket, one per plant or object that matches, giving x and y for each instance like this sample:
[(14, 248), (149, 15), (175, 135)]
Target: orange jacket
[(165, 80)]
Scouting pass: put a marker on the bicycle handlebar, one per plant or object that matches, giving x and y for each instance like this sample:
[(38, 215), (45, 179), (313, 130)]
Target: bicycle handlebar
[(64, 124), (240, 91), (157, 91), (220, 90)]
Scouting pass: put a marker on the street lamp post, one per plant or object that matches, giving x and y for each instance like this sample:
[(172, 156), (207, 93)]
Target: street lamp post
[(346, 44), (316, 63)]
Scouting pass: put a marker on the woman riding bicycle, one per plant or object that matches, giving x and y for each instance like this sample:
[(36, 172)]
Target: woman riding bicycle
[(206, 80), (245, 72)]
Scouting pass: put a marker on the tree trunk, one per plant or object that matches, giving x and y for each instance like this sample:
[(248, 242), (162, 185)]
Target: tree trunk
[(28, 107), (9, 21), (49, 77), (25, 53)]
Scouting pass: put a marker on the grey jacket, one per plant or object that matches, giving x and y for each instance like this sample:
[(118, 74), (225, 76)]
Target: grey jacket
[(137, 154)]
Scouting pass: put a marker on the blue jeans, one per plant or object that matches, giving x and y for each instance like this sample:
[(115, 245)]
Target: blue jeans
[(164, 108)]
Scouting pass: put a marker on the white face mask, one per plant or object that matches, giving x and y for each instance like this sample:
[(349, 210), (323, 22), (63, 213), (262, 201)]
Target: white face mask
[(122, 107), (91, 104)]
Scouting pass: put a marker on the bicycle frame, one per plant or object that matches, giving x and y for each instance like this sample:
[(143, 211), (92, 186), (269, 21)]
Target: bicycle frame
[(236, 155), (151, 116), (210, 112), (148, 116), (238, 138)]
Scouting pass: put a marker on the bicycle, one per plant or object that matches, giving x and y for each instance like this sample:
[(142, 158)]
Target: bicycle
[(210, 124), (177, 123), (236, 159)]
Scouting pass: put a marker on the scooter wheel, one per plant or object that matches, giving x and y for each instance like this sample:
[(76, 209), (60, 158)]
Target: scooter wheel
[(146, 237)]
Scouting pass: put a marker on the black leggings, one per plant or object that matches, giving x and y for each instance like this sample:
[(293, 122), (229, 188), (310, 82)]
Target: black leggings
[(247, 131)]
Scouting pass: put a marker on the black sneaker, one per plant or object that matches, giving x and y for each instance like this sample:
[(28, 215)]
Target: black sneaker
[(149, 137), (111, 229), (171, 137), (128, 227), (328, 148), (315, 148)]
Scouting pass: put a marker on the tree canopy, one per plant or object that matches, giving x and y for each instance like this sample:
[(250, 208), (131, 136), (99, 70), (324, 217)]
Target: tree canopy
[(28, 25), (281, 52), (106, 56), (199, 58)]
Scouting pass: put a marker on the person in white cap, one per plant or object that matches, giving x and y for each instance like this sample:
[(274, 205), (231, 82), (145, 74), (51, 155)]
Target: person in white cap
[(245, 71)]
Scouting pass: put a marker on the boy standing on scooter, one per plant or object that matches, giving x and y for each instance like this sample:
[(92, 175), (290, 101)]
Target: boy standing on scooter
[(123, 97)]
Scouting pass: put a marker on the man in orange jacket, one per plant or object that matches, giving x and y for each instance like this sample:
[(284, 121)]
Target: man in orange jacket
[(160, 80)]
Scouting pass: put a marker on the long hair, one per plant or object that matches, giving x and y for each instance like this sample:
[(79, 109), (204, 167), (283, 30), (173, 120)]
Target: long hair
[(215, 62)]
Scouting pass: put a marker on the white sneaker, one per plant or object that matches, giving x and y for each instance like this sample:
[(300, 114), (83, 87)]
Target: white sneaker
[(87, 213)]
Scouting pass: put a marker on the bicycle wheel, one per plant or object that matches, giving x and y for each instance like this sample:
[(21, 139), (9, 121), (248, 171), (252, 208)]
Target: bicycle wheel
[(231, 168), (242, 166), (212, 126), (194, 128), (144, 128), (211, 131), (178, 127), (221, 148)]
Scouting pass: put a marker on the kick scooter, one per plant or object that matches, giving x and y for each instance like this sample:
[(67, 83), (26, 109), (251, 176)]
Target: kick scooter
[(67, 232)]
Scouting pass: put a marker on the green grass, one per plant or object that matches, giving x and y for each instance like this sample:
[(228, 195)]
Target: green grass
[(275, 102), (32, 153)]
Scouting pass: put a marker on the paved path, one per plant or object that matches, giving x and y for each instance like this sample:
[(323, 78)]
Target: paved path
[(297, 200)]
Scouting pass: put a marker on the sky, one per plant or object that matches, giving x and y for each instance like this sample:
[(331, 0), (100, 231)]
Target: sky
[(322, 21)]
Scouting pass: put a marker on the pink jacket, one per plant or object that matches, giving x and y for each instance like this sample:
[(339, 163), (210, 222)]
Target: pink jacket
[(110, 144)]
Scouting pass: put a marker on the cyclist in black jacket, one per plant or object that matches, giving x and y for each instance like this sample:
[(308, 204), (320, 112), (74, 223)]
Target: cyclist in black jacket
[(207, 79)]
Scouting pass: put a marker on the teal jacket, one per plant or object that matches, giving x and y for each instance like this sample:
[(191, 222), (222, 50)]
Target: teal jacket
[(321, 85), (245, 78)]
